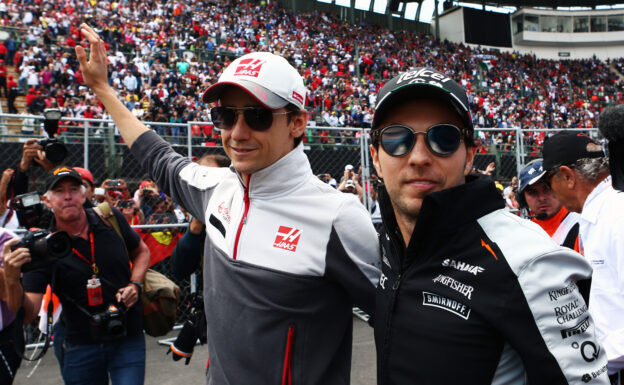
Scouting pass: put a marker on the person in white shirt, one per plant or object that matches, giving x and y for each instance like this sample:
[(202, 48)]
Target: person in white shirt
[(578, 170)]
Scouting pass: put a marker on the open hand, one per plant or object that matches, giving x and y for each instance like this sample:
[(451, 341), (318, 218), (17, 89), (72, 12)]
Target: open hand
[(94, 68)]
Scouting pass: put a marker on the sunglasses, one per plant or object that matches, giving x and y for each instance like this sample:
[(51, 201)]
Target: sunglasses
[(257, 118), (398, 140)]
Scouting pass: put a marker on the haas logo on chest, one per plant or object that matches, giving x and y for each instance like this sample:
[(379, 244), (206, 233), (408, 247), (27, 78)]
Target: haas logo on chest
[(287, 238)]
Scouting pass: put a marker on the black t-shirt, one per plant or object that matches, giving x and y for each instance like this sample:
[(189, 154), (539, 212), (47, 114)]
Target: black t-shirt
[(72, 274)]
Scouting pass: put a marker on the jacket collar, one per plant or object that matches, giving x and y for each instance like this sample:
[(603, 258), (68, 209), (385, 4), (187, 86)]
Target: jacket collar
[(593, 203), (282, 177), (445, 211)]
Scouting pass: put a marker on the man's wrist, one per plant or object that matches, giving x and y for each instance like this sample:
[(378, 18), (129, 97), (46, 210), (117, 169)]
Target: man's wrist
[(138, 285), (24, 165)]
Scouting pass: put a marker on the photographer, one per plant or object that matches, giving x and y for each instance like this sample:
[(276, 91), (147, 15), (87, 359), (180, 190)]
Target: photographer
[(131, 211), (31, 152), (9, 359), (101, 340)]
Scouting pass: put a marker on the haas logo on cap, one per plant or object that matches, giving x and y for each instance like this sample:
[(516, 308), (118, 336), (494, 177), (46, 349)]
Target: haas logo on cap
[(249, 67)]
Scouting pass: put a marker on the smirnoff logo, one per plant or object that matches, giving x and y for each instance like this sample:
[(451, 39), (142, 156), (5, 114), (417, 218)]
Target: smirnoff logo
[(249, 67), (287, 238)]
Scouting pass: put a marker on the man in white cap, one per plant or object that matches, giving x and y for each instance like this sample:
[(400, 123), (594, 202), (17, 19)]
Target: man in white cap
[(286, 255)]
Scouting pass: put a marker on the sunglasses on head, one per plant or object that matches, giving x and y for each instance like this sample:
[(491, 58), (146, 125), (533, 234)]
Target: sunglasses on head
[(257, 118), (398, 140)]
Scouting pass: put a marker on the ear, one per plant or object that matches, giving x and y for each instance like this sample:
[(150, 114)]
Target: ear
[(298, 124), (46, 201), (470, 156), (375, 156), (568, 176)]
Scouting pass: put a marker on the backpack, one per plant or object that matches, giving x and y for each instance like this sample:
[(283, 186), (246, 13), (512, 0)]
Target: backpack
[(160, 295)]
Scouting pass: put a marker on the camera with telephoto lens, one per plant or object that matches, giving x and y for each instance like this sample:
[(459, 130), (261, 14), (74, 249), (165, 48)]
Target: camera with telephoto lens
[(55, 151), (110, 324), (29, 209), (44, 247)]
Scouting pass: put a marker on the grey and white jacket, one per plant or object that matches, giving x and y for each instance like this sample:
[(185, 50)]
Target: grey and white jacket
[(285, 258)]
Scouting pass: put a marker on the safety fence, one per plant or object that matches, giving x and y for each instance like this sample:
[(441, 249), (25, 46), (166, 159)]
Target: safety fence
[(95, 144)]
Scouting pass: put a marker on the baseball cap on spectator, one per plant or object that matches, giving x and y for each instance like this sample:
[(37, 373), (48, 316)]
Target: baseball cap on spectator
[(423, 83), (350, 183), (349, 167), (268, 78), (115, 194), (567, 147), (60, 173), (85, 174), (531, 173), (148, 184)]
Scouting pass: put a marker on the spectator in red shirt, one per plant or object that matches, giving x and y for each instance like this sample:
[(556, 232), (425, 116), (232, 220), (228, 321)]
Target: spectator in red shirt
[(3, 78)]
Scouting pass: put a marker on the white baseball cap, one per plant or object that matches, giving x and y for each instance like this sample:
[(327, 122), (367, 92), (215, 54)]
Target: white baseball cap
[(269, 78)]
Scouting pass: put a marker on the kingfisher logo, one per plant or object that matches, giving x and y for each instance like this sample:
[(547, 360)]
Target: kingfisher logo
[(249, 67), (287, 238)]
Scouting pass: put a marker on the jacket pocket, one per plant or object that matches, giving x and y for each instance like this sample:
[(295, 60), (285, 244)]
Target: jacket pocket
[(287, 369)]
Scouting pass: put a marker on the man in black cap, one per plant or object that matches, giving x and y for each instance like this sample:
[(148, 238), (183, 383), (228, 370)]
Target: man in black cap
[(578, 171), (469, 293), (95, 279)]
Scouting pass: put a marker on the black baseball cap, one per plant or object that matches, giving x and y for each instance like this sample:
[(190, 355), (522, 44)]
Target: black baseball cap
[(567, 147), (59, 174), (425, 83)]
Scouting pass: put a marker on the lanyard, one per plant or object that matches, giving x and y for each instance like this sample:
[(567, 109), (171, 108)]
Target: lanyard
[(94, 267)]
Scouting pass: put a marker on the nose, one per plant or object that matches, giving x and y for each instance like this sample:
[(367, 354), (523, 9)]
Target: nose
[(240, 130), (420, 154)]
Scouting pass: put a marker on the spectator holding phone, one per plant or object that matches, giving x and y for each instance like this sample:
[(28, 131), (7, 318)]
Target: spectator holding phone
[(131, 211)]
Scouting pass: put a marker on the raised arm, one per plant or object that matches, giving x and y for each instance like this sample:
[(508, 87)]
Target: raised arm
[(94, 71)]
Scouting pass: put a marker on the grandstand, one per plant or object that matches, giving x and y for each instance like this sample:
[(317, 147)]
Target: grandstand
[(162, 57)]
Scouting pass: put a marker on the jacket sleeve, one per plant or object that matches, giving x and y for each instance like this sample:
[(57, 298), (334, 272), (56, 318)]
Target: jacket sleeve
[(546, 321), (187, 183), (353, 254), (186, 256)]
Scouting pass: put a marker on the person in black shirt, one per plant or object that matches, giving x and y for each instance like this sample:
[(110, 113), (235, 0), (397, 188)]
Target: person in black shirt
[(91, 354)]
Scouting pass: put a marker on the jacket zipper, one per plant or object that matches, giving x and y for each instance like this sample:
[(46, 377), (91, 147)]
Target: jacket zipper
[(244, 218), (287, 371), (395, 290)]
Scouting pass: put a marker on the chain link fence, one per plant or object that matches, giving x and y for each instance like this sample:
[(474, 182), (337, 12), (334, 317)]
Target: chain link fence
[(97, 146)]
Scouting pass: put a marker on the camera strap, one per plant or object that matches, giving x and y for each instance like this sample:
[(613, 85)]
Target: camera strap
[(49, 327), (91, 263)]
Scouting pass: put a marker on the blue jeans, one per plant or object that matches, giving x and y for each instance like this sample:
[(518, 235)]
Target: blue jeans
[(59, 339), (123, 360)]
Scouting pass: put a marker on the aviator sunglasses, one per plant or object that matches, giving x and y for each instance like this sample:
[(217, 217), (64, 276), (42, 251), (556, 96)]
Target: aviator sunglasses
[(398, 140), (257, 118)]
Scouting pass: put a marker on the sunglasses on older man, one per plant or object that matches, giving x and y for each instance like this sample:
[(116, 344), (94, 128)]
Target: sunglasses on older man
[(257, 118), (398, 140)]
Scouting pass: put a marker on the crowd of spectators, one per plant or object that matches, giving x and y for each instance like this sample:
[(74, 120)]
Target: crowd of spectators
[(163, 54)]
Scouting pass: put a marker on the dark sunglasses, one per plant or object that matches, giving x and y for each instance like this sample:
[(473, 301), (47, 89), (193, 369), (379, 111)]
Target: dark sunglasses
[(257, 118), (398, 140)]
